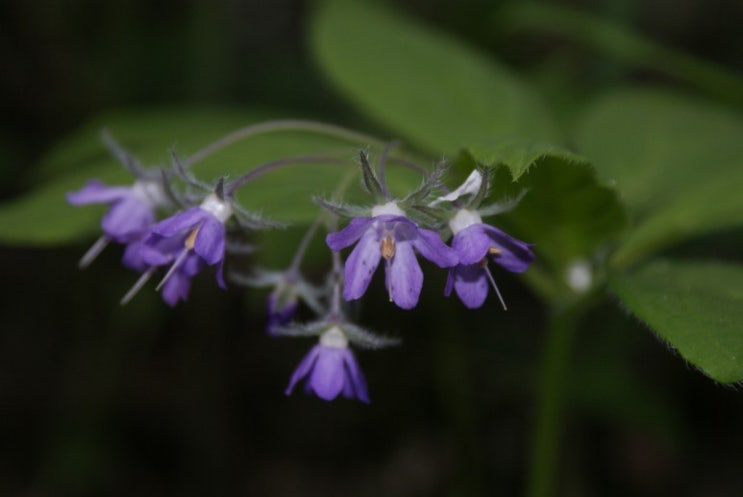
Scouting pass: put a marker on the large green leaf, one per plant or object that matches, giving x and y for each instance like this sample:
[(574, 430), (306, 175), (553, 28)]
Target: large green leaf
[(677, 162), (43, 216), (421, 83), (697, 307)]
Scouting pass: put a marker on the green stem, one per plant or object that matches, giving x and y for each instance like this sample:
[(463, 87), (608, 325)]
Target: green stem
[(552, 385), (282, 125)]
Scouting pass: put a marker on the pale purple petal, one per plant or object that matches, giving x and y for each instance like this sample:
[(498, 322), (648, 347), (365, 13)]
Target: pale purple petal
[(133, 256), (280, 315), (449, 282), (348, 235), (159, 251), (127, 219), (303, 369), (360, 265), (192, 265), (515, 256), (404, 276), (471, 285), (220, 275), (431, 247), (95, 192), (209, 243), (471, 244), (328, 376), (176, 288), (355, 386), (180, 222)]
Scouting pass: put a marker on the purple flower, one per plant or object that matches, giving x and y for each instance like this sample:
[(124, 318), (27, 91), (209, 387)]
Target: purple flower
[(132, 208), (390, 235), (330, 369), (475, 242), (281, 309), (189, 241)]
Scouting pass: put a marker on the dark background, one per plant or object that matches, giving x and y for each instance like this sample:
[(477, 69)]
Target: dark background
[(101, 400)]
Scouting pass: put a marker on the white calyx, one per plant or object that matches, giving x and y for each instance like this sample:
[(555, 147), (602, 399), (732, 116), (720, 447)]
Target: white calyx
[(390, 209), (150, 191), (335, 338), (220, 209), (463, 219)]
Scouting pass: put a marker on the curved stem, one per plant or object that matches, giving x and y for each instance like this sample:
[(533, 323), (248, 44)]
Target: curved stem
[(551, 391), (280, 125), (279, 163), (304, 244)]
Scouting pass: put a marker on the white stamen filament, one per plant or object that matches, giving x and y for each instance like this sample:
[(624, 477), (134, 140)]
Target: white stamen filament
[(495, 287), (179, 260), (144, 278), (93, 252)]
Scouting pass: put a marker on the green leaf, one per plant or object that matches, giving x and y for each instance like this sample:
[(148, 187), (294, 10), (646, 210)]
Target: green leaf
[(43, 217), (697, 307), (427, 86), (676, 161), (567, 213)]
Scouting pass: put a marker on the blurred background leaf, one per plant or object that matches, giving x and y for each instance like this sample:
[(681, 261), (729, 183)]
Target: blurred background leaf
[(677, 162), (425, 85)]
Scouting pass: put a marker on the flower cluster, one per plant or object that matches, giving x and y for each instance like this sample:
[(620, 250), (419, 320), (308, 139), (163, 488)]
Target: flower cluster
[(162, 224)]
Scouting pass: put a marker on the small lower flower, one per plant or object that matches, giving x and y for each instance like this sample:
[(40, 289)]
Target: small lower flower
[(330, 369), (391, 236), (475, 243)]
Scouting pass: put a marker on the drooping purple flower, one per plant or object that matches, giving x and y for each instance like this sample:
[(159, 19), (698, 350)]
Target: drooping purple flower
[(132, 208), (388, 234), (190, 239), (475, 243), (330, 369)]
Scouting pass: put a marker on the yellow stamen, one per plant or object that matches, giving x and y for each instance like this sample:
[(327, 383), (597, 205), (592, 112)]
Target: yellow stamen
[(494, 251), (191, 240), (387, 246)]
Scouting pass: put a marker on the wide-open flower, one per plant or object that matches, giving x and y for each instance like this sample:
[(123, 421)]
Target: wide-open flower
[(131, 212), (330, 369), (475, 243), (391, 236)]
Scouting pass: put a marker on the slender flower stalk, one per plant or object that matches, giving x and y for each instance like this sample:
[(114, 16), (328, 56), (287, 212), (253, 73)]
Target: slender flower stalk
[(281, 125)]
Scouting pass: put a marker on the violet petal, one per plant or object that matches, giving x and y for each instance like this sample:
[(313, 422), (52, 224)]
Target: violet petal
[(471, 244), (303, 369), (430, 246), (471, 285), (210, 240), (348, 235), (515, 256), (180, 222), (96, 192), (360, 265), (404, 277)]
